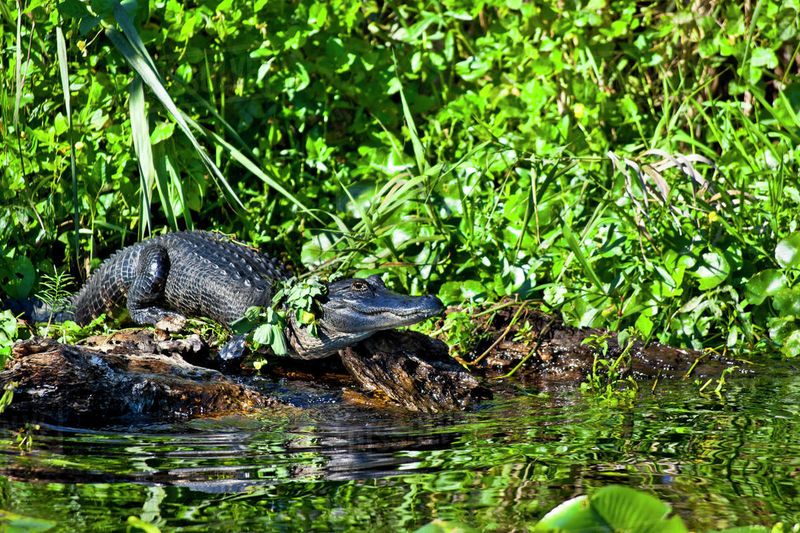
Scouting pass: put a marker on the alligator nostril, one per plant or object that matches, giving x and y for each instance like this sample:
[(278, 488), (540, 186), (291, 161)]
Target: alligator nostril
[(435, 302)]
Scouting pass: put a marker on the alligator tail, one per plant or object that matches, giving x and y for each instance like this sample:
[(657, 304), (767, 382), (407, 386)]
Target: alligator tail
[(107, 287)]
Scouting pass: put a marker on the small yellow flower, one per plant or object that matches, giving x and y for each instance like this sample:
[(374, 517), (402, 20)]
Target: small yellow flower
[(712, 217), (579, 110)]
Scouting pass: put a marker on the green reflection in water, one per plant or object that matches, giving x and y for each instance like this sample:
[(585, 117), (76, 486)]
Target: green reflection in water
[(718, 461)]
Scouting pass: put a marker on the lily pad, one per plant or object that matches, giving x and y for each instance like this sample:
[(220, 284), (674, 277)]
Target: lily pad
[(613, 508)]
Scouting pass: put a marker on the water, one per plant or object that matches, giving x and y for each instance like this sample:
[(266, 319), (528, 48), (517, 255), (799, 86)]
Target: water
[(720, 461)]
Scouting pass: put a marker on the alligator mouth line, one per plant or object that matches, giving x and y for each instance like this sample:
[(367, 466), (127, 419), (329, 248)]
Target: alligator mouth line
[(401, 313)]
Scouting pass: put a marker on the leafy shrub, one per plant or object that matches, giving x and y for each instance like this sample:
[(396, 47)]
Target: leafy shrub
[(626, 163)]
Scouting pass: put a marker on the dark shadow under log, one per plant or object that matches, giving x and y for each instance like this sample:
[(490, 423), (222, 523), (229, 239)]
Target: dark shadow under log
[(89, 386)]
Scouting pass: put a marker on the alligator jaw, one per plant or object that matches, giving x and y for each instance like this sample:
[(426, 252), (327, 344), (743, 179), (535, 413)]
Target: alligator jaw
[(411, 310), (366, 305), (353, 310)]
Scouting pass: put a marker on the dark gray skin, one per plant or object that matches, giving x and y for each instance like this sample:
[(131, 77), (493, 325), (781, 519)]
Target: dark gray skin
[(195, 273), (353, 310)]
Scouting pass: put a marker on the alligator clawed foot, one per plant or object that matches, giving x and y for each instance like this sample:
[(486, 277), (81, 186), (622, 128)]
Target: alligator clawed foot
[(233, 349)]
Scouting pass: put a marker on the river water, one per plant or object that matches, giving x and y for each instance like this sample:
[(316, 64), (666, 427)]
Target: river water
[(719, 459)]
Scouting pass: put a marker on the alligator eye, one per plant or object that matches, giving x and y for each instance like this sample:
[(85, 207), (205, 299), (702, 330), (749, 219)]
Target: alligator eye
[(359, 285)]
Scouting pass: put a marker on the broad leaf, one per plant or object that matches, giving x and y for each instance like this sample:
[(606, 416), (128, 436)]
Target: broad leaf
[(787, 253), (712, 271), (764, 284)]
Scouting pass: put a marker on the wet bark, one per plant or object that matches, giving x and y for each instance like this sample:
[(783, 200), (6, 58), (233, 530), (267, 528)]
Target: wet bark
[(141, 374), (128, 378), (540, 347), (413, 371)]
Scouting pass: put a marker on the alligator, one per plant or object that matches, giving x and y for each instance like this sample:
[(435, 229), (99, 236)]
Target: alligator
[(169, 277)]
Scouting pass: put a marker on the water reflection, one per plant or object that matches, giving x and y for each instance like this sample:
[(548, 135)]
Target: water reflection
[(719, 460)]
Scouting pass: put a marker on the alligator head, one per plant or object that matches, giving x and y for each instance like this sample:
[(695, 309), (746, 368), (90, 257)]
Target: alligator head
[(354, 309)]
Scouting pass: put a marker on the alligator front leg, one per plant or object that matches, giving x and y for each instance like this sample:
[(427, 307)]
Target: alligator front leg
[(146, 293)]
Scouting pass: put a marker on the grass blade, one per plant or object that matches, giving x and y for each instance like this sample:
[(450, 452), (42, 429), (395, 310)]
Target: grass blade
[(61, 50), (175, 179), (140, 132), (129, 44), (163, 180), (419, 152), (18, 66), (247, 163), (575, 247)]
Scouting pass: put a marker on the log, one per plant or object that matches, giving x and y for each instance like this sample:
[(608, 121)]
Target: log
[(552, 351), (144, 375), (414, 371), (90, 386)]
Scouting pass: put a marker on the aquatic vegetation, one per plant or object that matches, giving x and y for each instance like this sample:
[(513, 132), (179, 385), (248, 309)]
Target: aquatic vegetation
[(8, 333), (612, 508), (266, 326), (779, 288)]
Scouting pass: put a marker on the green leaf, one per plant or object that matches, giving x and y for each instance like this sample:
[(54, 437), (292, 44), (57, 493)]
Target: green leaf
[(791, 345), (765, 283), (61, 48), (140, 131), (17, 276), (781, 327), (278, 344), (787, 253), (613, 508), (263, 334), (572, 515), (444, 526), (764, 57), (162, 132), (8, 325), (459, 292), (419, 152), (138, 524), (787, 301), (72, 9), (712, 271), (576, 249), (627, 509), (644, 324)]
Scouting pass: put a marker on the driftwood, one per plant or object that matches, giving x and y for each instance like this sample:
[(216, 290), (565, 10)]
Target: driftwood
[(550, 351), (95, 386), (413, 371), (142, 374)]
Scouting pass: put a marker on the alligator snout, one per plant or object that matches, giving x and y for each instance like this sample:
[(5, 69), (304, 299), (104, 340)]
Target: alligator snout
[(429, 306)]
